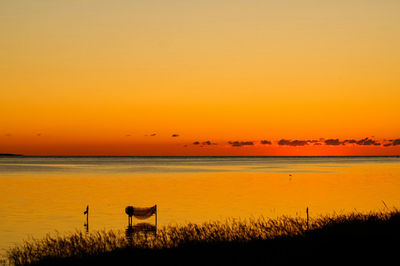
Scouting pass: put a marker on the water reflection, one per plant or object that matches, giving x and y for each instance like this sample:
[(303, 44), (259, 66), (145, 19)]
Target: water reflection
[(140, 227), (55, 200)]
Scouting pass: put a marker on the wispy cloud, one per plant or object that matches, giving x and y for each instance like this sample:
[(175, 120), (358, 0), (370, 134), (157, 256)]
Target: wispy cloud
[(334, 142), (240, 143), (392, 142), (175, 135), (363, 142), (367, 142), (206, 143), (293, 142)]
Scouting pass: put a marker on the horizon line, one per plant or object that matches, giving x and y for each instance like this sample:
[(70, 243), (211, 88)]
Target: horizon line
[(22, 155)]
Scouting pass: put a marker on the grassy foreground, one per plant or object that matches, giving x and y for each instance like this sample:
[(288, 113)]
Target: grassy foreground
[(352, 239)]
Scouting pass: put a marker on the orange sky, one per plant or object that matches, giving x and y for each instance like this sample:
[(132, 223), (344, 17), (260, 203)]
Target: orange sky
[(86, 74)]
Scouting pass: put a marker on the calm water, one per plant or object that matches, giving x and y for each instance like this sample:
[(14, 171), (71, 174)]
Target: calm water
[(40, 195)]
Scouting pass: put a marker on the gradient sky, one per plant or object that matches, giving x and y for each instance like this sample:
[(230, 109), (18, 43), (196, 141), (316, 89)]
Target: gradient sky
[(99, 77)]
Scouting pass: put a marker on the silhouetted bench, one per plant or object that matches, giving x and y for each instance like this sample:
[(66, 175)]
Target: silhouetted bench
[(142, 214)]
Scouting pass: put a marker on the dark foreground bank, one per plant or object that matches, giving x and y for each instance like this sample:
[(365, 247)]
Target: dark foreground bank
[(356, 239)]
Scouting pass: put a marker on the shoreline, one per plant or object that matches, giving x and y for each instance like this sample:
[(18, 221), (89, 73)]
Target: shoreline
[(354, 238)]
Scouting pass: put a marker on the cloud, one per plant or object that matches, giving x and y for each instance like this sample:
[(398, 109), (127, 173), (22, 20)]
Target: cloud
[(39, 134), (363, 142), (175, 135), (367, 142), (152, 135), (293, 142), (334, 142), (393, 142), (240, 143), (317, 142), (206, 143)]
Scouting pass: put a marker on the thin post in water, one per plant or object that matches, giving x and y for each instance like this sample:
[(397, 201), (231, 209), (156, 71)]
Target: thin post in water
[(156, 216), (87, 218), (307, 219)]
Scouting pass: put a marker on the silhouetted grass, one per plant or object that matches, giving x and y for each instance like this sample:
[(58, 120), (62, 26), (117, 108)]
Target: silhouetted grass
[(352, 238)]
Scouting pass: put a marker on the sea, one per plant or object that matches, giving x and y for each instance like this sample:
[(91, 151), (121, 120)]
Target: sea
[(48, 195)]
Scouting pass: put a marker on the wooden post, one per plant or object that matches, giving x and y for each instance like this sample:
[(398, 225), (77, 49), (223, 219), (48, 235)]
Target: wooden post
[(87, 218), (87, 222), (307, 219), (156, 217), (155, 232)]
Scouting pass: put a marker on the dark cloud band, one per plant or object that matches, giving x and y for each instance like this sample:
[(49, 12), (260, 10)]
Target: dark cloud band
[(296, 142)]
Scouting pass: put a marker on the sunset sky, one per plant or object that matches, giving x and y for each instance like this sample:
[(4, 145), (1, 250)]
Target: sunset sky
[(220, 77)]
